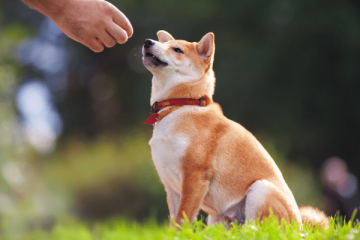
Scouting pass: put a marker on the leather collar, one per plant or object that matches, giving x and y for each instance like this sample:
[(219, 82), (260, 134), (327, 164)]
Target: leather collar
[(175, 103)]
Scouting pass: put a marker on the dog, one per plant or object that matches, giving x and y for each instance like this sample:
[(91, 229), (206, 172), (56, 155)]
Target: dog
[(204, 160)]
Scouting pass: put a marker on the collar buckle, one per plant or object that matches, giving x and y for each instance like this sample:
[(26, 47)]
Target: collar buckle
[(154, 108)]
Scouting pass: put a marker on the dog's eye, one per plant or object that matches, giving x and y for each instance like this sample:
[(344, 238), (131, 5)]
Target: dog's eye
[(178, 50)]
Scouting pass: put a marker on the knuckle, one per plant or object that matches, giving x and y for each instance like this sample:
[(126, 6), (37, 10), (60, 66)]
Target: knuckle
[(127, 25), (102, 23), (113, 43), (128, 28), (122, 38), (108, 8)]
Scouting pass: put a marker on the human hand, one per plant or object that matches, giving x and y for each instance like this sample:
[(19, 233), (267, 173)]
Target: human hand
[(94, 23)]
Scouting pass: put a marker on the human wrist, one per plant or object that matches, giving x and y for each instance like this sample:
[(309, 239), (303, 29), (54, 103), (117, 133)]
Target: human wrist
[(50, 8), (57, 8)]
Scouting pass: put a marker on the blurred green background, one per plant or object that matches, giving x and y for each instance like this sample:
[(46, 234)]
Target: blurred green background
[(72, 138)]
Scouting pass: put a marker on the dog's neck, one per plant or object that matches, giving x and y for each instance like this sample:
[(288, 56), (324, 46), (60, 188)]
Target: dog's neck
[(164, 88)]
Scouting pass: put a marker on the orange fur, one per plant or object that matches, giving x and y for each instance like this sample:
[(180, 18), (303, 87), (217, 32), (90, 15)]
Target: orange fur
[(205, 160), (314, 217), (237, 176)]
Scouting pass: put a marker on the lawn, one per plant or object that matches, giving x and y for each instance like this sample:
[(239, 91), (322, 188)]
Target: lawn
[(124, 229)]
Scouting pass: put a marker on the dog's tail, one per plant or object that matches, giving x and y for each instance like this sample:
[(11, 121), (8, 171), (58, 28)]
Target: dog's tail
[(314, 217)]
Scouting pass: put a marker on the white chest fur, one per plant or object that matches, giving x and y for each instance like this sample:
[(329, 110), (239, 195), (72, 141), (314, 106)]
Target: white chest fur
[(168, 148)]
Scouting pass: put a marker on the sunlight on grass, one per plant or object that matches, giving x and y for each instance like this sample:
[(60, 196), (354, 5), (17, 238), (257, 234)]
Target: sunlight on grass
[(124, 229)]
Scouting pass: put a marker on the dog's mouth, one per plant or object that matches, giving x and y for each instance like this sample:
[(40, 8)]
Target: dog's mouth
[(150, 58)]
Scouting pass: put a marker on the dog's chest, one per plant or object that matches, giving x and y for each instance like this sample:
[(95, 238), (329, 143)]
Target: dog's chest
[(168, 150)]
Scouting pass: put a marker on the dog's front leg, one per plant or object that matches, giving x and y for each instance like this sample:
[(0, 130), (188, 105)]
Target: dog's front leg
[(195, 185), (173, 201)]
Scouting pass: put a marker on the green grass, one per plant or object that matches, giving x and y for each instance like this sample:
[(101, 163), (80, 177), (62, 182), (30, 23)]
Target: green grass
[(124, 229)]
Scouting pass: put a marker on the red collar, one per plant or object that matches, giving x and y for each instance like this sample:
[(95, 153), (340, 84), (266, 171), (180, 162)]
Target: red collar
[(157, 106)]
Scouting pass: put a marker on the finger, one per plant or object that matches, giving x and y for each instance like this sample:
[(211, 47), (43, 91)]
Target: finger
[(120, 19), (107, 39), (117, 33), (95, 45)]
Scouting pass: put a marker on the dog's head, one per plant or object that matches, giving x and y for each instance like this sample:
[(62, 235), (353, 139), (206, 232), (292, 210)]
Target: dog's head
[(177, 57), (181, 69)]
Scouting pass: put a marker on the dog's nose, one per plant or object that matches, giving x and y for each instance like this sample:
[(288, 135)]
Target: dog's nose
[(148, 43)]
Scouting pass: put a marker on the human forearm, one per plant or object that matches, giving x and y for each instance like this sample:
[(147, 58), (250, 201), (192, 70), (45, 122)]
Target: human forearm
[(94, 23), (49, 8)]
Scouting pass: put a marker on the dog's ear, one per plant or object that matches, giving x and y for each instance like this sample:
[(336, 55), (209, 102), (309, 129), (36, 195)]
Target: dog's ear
[(164, 36), (206, 46)]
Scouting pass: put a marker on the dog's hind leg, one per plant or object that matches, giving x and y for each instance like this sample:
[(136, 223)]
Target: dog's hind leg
[(234, 214), (213, 219), (263, 195)]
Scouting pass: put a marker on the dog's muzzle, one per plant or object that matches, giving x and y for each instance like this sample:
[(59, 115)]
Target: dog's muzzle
[(149, 58), (148, 43)]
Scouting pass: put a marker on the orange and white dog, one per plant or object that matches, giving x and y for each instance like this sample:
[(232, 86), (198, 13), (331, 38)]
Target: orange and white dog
[(205, 160)]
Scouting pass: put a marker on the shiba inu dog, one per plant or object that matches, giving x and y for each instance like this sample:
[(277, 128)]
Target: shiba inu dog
[(205, 160)]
